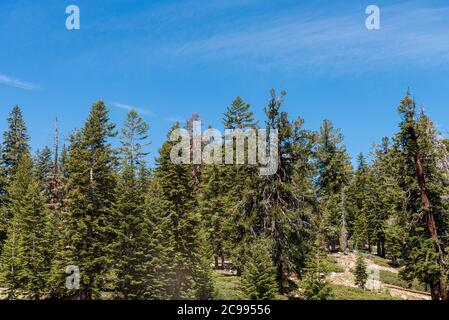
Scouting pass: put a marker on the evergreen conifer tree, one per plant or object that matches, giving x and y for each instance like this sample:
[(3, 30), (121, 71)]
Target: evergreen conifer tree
[(259, 275), (90, 230), (43, 164), (132, 224), (334, 171), (191, 272), (25, 261), (279, 206), (236, 182), (314, 281), (423, 181), (15, 143), (360, 274)]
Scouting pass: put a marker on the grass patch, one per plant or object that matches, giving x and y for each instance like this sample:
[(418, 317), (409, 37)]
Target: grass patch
[(330, 265), (350, 293), (227, 287), (380, 261), (394, 279)]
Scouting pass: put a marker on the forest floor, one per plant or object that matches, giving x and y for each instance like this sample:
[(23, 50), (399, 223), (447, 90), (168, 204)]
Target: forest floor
[(387, 277), (389, 285)]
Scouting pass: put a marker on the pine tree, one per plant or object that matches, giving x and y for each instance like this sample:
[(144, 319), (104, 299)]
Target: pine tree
[(44, 168), (334, 171), (222, 188), (420, 156), (234, 182), (278, 206), (15, 143), (385, 193), (191, 274), (132, 224), (43, 164), (359, 196), (314, 282), (160, 269), (360, 274), (395, 235), (25, 259), (238, 115), (90, 233), (215, 211), (259, 275)]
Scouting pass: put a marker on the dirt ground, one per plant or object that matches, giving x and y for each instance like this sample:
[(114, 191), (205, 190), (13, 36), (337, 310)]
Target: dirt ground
[(346, 278)]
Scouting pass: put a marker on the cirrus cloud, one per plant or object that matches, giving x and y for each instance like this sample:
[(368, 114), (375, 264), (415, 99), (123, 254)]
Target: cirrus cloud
[(16, 83)]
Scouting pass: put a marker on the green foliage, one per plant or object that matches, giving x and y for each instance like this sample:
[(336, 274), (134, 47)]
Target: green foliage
[(259, 275), (316, 288), (380, 261), (238, 116), (314, 284), (279, 206), (332, 160), (138, 232), (215, 210), (395, 279), (15, 143), (374, 201), (421, 159), (341, 292), (133, 247), (160, 246), (334, 171), (226, 189), (360, 274), (43, 164), (329, 265), (227, 287), (192, 274), (24, 261), (90, 232)]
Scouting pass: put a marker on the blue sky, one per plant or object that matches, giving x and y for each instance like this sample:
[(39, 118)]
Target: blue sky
[(172, 58)]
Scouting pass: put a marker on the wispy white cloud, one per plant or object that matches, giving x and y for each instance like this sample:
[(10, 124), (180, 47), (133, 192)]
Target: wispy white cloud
[(167, 12), (16, 83), (411, 34), (127, 107)]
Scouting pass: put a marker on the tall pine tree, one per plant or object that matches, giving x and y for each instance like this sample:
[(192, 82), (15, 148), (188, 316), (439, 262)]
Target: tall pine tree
[(190, 262), (25, 261), (132, 224), (334, 171), (15, 143), (91, 209), (427, 208)]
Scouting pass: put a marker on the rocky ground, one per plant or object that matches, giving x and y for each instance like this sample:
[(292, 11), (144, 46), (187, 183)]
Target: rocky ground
[(346, 278)]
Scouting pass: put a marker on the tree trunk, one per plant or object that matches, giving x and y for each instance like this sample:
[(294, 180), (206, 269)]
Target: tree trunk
[(343, 229), (380, 248), (222, 260), (440, 290), (216, 262)]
